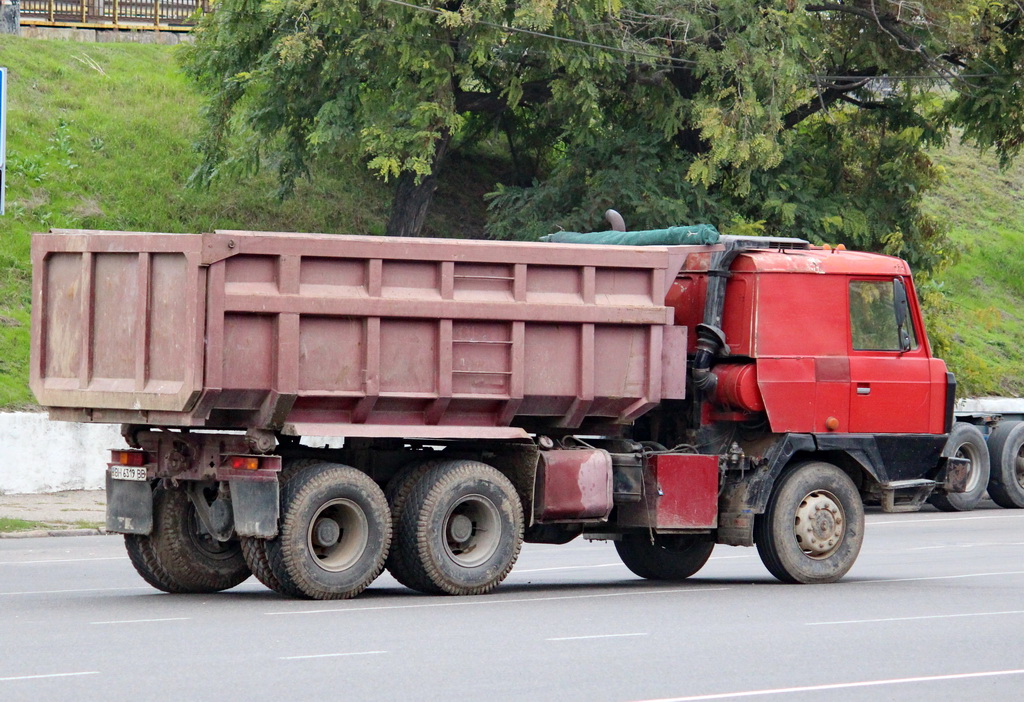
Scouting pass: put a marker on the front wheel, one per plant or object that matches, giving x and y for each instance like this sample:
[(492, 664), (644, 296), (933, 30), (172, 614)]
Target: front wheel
[(665, 556), (813, 527)]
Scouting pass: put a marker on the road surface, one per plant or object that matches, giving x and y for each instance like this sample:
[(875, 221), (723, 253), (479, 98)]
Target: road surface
[(933, 610)]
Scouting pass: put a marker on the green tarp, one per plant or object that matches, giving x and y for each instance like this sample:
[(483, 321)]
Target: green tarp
[(673, 236)]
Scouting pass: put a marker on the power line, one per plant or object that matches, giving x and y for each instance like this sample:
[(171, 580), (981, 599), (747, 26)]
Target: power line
[(687, 61), (934, 76), (680, 61), (554, 37)]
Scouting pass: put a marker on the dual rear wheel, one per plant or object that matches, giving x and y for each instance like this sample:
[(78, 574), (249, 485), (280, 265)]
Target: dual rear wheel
[(458, 528), (450, 527)]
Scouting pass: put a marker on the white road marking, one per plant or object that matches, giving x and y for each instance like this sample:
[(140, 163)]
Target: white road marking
[(584, 567), (595, 636), (50, 675), (146, 621), (477, 603), (839, 686), (331, 655), (91, 589), (64, 560), (946, 577), (933, 521), (911, 619), (981, 545)]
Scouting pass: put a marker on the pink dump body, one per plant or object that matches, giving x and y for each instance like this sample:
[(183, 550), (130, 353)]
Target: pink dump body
[(351, 336)]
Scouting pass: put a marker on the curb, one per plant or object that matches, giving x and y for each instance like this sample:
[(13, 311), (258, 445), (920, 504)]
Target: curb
[(40, 533)]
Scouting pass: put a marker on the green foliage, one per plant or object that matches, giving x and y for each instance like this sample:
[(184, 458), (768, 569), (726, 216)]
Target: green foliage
[(781, 117), (778, 129)]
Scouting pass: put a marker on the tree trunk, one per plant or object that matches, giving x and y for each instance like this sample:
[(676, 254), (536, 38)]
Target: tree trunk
[(10, 18), (412, 201)]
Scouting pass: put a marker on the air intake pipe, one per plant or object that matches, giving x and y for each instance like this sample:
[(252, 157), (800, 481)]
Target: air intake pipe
[(710, 343), (710, 337)]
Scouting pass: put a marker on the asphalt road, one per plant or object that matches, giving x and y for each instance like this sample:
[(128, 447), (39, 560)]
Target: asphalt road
[(933, 610)]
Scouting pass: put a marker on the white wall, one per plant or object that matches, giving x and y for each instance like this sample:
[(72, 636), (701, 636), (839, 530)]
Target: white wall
[(37, 455)]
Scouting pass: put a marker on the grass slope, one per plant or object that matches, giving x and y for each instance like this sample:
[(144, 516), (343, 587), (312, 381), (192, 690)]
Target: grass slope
[(100, 136), (982, 320)]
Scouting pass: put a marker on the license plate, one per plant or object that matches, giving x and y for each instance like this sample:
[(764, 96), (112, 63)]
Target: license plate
[(137, 473)]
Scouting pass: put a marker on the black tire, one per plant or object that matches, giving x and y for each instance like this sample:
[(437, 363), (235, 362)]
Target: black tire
[(255, 550), (402, 552), (1006, 478), (177, 557), (466, 520), (667, 556), (142, 556), (335, 532), (813, 527), (966, 441)]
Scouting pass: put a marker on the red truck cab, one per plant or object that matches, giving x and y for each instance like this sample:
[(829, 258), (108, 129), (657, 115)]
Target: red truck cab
[(820, 328)]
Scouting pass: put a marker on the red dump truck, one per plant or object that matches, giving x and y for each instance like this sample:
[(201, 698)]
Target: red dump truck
[(667, 398)]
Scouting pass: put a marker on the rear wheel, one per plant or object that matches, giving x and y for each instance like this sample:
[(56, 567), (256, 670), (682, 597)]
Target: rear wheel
[(813, 527), (403, 552), (966, 441), (665, 556), (255, 550), (1006, 448), (335, 532), (466, 520), (143, 558), (179, 556)]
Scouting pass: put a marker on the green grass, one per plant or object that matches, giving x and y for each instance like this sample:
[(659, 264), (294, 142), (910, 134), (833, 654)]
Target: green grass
[(8, 524), (101, 136), (980, 318)]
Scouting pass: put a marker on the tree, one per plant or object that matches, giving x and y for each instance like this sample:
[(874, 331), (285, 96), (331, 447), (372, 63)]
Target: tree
[(407, 83), (776, 116)]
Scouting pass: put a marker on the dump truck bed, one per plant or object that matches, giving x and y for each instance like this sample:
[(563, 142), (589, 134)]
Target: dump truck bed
[(351, 336)]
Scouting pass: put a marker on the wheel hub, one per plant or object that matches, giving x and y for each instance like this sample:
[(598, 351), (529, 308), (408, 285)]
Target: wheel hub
[(327, 532), (338, 535), (472, 530), (1018, 468), (460, 528), (820, 524)]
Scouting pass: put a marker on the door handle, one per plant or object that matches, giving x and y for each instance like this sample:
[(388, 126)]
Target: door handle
[(864, 389)]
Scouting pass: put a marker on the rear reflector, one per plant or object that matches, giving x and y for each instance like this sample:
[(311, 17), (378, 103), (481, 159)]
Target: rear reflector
[(128, 458), (244, 462)]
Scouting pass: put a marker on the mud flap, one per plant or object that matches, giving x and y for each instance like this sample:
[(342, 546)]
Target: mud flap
[(129, 506), (256, 506), (955, 474)]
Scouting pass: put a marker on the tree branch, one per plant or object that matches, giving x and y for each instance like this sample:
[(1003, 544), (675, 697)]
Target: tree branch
[(885, 21), (827, 97)]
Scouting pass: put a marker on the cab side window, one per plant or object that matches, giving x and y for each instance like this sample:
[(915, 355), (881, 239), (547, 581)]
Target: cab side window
[(873, 317)]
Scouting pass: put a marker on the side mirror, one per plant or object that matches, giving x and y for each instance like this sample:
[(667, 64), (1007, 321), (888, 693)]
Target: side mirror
[(902, 306)]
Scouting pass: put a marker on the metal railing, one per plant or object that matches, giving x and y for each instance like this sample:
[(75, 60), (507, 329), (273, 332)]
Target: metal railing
[(160, 15)]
